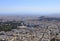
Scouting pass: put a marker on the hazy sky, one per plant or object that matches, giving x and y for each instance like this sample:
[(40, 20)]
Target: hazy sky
[(30, 6)]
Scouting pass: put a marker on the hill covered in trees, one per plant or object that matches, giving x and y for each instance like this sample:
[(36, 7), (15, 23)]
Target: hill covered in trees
[(49, 18)]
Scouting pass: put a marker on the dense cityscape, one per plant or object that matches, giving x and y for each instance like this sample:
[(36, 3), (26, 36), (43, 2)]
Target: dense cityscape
[(33, 29), (29, 20)]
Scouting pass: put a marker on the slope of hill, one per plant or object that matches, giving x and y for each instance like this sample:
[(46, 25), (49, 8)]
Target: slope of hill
[(54, 15)]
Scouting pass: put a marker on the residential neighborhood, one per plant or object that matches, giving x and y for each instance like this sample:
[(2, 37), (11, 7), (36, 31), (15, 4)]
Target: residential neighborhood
[(30, 30)]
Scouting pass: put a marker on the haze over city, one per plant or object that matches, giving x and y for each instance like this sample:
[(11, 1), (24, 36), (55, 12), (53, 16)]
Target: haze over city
[(29, 20)]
